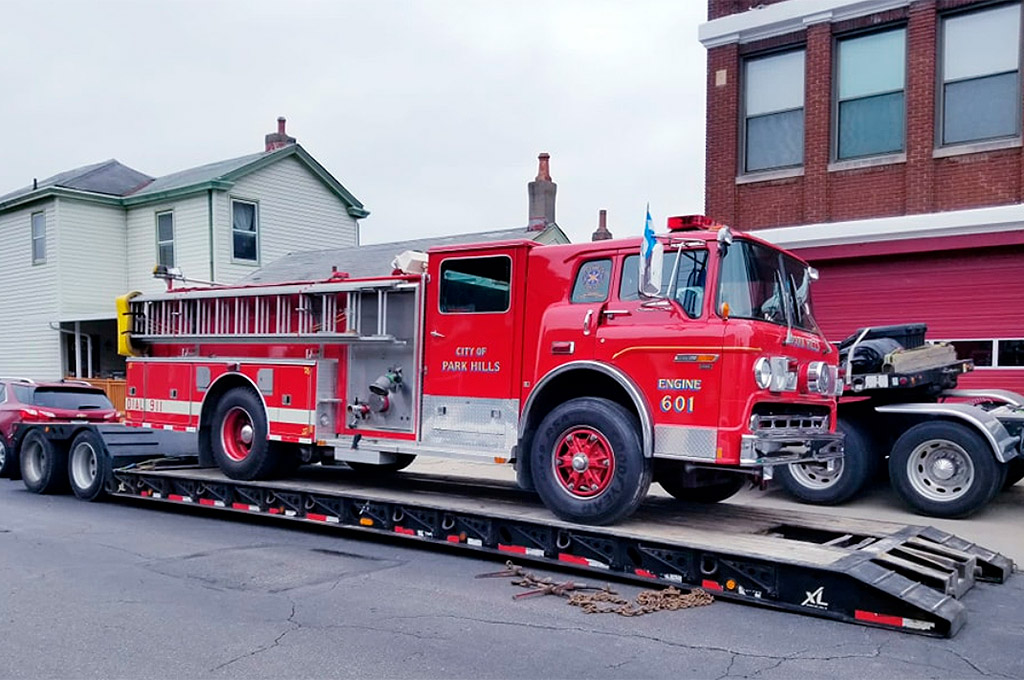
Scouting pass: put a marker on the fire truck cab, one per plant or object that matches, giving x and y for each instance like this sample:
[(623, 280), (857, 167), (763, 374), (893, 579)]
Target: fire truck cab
[(590, 367)]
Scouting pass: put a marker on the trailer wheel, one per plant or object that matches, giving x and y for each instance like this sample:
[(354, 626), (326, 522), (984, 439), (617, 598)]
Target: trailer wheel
[(402, 461), (1014, 472), (87, 466), (239, 438), (587, 462), (44, 464), (944, 469), (680, 484), (8, 460), (836, 481)]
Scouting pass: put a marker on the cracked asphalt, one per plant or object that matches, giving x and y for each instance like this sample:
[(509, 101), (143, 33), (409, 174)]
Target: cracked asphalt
[(112, 590)]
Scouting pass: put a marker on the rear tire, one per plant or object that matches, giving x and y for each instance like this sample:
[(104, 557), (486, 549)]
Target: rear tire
[(587, 462), (44, 464), (1014, 472), (815, 483), (88, 466), (686, 486), (402, 461), (944, 469), (239, 436), (8, 460)]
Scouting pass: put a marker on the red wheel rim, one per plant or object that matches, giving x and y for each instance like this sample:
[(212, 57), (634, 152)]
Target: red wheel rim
[(584, 462), (236, 434)]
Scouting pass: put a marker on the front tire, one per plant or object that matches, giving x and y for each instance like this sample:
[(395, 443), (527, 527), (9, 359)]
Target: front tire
[(44, 464), (88, 465), (8, 460), (822, 484), (587, 462), (944, 469), (239, 436)]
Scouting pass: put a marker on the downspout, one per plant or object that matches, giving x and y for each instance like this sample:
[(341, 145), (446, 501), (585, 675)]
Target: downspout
[(209, 219)]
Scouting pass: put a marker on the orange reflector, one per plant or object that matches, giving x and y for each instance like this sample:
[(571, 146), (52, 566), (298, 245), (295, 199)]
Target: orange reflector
[(500, 460), (366, 521), (730, 585)]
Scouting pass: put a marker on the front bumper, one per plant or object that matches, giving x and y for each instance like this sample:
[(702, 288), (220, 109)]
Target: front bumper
[(783, 448)]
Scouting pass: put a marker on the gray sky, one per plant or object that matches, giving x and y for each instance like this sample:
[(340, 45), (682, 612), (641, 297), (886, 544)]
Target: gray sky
[(432, 113)]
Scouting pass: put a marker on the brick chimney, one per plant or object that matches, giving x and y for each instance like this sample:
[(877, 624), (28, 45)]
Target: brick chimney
[(602, 233), (542, 197), (280, 139)]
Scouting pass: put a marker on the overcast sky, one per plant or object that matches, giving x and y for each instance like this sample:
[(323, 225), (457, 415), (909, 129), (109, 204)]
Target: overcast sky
[(432, 112)]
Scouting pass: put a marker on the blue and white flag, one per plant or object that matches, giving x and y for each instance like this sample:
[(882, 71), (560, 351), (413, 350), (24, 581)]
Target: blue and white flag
[(651, 256)]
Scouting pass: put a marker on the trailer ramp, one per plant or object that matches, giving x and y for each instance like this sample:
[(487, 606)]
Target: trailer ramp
[(883, 574)]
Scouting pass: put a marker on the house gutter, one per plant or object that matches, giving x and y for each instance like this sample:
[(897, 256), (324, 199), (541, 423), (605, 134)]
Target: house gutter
[(209, 220)]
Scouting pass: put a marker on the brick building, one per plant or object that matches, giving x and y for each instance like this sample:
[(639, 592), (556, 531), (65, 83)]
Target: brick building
[(881, 140)]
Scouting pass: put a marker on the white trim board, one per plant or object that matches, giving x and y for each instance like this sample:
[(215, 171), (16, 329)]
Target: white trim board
[(786, 17)]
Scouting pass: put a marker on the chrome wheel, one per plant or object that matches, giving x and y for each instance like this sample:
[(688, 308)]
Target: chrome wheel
[(3, 454), (940, 470), (817, 475), (84, 465), (33, 461)]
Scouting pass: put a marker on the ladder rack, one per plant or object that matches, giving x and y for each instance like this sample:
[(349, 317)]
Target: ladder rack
[(335, 312)]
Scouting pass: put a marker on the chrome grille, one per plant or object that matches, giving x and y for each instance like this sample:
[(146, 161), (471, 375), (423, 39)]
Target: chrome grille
[(790, 422)]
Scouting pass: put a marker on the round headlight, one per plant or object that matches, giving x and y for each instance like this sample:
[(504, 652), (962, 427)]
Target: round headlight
[(821, 378), (763, 373)]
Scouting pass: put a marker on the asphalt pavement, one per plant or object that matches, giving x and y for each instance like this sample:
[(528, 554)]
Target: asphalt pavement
[(126, 589)]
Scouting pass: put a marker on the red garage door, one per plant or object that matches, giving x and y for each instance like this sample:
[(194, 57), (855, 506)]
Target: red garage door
[(972, 296)]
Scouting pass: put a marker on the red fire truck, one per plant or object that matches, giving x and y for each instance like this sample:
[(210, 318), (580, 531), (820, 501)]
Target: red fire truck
[(555, 358)]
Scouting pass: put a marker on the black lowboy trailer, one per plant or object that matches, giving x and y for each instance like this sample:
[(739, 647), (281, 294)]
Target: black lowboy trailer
[(895, 576)]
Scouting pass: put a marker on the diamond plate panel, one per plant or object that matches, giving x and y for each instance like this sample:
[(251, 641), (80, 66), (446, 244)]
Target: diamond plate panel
[(488, 424), (690, 443)]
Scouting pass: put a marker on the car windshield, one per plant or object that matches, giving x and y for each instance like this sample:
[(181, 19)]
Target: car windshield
[(690, 279), (759, 282), (71, 399)]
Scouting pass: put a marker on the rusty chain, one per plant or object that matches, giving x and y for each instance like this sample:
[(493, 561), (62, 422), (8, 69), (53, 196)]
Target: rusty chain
[(603, 600)]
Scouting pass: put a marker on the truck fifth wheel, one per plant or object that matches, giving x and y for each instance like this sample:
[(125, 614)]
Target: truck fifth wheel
[(591, 367)]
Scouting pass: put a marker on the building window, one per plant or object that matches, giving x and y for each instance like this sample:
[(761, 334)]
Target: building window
[(476, 284), (1000, 353), (981, 75), (773, 119), (870, 101), (244, 231), (165, 238), (38, 238)]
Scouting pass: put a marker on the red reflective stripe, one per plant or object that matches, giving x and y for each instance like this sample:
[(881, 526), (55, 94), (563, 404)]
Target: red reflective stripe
[(240, 506), (175, 497), (315, 517), (206, 501), (512, 548), (645, 573), (273, 511), (403, 530), (884, 619), (573, 559), (710, 585), (454, 539)]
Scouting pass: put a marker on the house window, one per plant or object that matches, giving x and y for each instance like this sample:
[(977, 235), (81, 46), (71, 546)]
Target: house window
[(477, 284), (38, 238), (981, 75), (870, 100), (244, 231), (773, 118), (165, 238)]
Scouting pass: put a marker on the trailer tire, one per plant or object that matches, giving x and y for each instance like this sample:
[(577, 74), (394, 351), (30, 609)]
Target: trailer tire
[(8, 460), (595, 436), (672, 476), (44, 464), (88, 465), (944, 469), (814, 483), (1014, 472), (402, 461), (239, 437)]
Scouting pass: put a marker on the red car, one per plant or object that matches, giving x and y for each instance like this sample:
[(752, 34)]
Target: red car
[(26, 401)]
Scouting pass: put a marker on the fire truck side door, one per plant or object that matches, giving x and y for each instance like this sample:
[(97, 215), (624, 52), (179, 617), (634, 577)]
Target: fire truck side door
[(672, 350), (472, 339)]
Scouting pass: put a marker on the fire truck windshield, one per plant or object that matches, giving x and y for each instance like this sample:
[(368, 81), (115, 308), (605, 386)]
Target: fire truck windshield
[(682, 279), (760, 282)]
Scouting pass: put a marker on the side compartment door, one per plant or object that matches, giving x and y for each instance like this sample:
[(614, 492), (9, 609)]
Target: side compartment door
[(472, 341)]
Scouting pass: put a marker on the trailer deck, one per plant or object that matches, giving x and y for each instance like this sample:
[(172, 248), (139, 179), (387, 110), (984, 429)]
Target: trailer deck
[(889, 575)]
